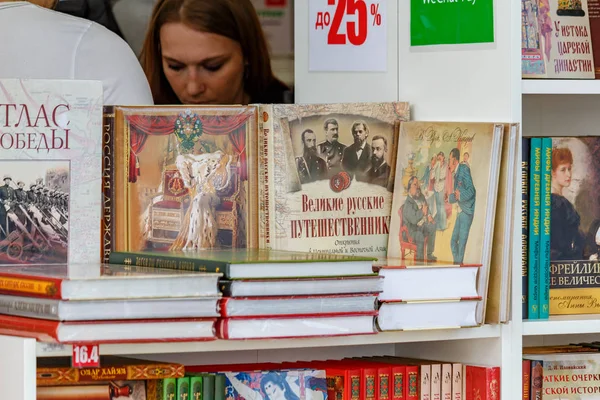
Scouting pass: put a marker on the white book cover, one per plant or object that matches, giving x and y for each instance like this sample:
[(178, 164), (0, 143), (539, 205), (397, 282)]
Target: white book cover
[(51, 167)]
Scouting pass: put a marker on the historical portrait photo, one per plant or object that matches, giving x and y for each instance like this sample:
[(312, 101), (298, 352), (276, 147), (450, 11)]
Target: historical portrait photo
[(325, 145), (34, 211)]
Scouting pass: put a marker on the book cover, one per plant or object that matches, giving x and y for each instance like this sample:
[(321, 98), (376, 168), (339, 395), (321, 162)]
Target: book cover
[(285, 384), (545, 223), (535, 190), (556, 39), (185, 177), (328, 174), (51, 139), (575, 226), (445, 194), (525, 154)]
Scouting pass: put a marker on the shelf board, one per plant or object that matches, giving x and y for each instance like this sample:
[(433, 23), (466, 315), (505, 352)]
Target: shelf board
[(560, 86), (482, 332), (562, 325)]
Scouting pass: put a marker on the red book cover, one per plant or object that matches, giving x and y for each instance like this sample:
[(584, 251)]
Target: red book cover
[(48, 331), (526, 379), (398, 379), (482, 383)]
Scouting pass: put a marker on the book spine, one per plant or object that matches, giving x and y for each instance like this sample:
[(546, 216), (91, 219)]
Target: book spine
[(196, 388), (525, 152), (594, 16), (526, 379), (368, 383), (436, 382), (183, 388), (208, 387), (30, 307), (492, 382), (457, 381), (265, 144), (446, 382), (225, 287), (107, 181), (170, 389), (412, 382), (168, 262), (220, 387), (535, 169), (34, 286), (425, 383), (383, 382), (398, 373), (537, 379), (545, 211)]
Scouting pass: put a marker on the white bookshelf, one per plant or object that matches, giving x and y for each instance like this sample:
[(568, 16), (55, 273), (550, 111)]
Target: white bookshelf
[(464, 83)]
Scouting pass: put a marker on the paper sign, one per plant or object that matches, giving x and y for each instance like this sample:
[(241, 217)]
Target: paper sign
[(347, 35), (85, 356), (451, 22)]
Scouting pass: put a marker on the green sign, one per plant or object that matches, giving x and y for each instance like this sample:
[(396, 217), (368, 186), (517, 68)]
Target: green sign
[(451, 22)]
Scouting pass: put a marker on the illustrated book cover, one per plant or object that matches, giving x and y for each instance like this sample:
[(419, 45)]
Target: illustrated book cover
[(445, 194), (326, 176), (289, 384), (51, 140), (184, 177), (556, 41), (574, 226)]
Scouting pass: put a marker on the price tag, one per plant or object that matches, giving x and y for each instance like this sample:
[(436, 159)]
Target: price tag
[(85, 356), (347, 35)]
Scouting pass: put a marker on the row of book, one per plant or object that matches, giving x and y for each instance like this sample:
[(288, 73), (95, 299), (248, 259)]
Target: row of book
[(364, 378), (560, 39), (257, 295), (560, 226), (561, 372)]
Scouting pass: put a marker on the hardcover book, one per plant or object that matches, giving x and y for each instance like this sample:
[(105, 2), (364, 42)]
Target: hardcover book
[(445, 194), (292, 384), (185, 177), (112, 390), (556, 41), (326, 176), (51, 139)]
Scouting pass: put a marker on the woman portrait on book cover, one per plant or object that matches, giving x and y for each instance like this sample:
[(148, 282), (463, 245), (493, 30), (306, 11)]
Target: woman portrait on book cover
[(275, 386)]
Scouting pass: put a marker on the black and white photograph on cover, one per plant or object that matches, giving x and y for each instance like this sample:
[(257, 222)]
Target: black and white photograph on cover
[(357, 147), (34, 211)]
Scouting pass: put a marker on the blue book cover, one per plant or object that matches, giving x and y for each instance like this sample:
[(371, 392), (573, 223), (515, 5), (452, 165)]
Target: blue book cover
[(545, 216), (535, 177), (525, 149)]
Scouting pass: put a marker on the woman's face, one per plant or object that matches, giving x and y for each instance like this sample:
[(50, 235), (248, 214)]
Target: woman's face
[(201, 67), (274, 391), (562, 175)]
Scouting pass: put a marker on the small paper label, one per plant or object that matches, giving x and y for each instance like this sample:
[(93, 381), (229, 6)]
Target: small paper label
[(85, 356)]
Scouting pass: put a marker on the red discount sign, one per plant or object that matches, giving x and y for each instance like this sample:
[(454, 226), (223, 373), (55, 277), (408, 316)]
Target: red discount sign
[(339, 28), (85, 356)]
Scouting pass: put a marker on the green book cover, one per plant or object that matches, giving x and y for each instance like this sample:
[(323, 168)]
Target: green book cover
[(183, 388), (208, 387), (535, 191), (196, 388), (221, 260), (169, 389), (219, 387)]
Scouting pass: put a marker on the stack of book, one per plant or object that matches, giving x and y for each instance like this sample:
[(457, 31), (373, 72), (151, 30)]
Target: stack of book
[(115, 378), (282, 294), (103, 303), (421, 295)]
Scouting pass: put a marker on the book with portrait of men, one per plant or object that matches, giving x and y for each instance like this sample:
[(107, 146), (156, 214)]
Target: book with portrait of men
[(445, 195), (50, 166), (183, 178), (326, 176)]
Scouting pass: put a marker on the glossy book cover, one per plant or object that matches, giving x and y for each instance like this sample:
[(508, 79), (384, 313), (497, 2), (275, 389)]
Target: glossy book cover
[(186, 176), (51, 140), (276, 385)]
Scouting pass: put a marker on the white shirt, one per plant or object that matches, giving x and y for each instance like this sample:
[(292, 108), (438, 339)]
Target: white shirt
[(38, 43)]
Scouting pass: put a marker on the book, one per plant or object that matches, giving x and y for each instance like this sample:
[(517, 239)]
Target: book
[(57, 371), (326, 175), (556, 39), (290, 326), (302, 286), (117, 309), (525, 154), (411, 315), (122, 390), (533, 247), (51, 169), (184, 177), (104, 281), (409, 281), (297, 305), (121, 331), (251, 263), (445, 195)]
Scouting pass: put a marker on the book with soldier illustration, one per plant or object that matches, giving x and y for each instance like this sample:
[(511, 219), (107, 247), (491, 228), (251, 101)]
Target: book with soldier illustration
[(51, 140), (184, 177), (326, 175), (445, 194)]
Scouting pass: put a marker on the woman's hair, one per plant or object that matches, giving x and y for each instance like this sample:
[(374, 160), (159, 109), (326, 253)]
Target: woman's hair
[(561, 155), (280, 381), (234, 19)]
